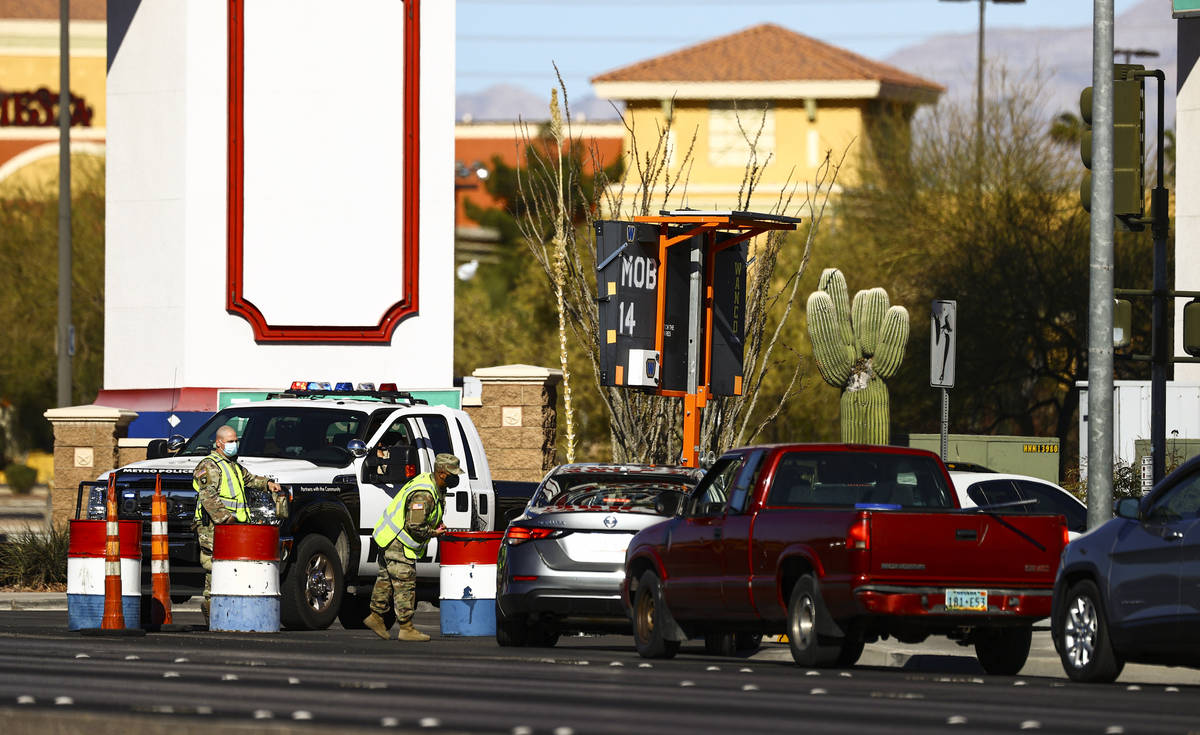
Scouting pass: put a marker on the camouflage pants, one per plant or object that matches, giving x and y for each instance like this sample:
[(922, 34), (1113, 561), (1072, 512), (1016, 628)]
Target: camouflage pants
[(396, 584), (204, 538)]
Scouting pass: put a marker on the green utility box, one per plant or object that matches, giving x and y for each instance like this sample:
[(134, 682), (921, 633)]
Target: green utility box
[(1178, 452), (1036, 456)]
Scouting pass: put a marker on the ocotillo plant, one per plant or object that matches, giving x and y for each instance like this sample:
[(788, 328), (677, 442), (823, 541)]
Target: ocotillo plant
[(857, 347)]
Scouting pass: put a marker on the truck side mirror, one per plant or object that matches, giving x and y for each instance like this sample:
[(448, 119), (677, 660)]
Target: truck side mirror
[(392, 465), (156, 449)]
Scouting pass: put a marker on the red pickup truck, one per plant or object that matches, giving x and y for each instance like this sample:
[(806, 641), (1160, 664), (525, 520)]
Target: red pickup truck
[(837, 546)]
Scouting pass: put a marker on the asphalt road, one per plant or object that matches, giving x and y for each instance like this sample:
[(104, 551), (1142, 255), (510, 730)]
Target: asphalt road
[(52, 680)]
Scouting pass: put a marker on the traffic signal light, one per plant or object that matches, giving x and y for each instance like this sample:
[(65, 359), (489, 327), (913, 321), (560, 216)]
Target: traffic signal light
[(1122, 323), (1129, 151)]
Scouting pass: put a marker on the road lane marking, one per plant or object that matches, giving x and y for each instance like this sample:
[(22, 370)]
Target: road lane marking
[(26, 699), (713, 668), (132, 657), (819, 690), (82, 655), (293, 680), (64, 701), (616, 663), (302, 714), (956, 720), (229, 677), (181, 660), (263, 714), (749, 687), (686, 683), (429, 722), (1031, 725), (170, 674)]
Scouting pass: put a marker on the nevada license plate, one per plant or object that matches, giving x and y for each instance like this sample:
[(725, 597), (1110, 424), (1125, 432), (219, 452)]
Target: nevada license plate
[(966, 600)]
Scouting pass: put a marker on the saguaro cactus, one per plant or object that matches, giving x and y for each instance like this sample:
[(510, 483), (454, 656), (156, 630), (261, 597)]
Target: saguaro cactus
[(857, 347)]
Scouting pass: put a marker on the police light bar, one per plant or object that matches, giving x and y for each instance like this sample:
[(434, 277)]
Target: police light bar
[(344, 386), (366, 386), (299, 385), (387, 386), (319, 386)]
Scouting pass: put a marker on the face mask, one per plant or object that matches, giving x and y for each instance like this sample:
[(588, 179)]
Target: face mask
[(231, 449), (451, 481)]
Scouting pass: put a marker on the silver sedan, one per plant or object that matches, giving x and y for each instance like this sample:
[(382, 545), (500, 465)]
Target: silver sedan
[(562, 561)]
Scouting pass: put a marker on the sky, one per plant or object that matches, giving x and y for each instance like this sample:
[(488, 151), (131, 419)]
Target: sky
[(517, 41)]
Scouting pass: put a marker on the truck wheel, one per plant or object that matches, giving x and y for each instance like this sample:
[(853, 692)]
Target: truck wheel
[(511, 631), (649, 615), (717, 643), (1002, 652), (804, 609), (311, 593), (747, 642), (851, 650), (1084, 645)]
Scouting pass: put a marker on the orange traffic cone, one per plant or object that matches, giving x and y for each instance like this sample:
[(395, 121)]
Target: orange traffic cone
[(114, 616), (160, 565)]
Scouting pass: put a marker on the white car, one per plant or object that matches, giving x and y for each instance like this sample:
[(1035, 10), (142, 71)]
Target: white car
[(996, 488)]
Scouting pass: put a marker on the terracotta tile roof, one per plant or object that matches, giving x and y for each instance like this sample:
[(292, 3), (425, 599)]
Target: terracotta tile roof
[(763, 53), (48, 9)]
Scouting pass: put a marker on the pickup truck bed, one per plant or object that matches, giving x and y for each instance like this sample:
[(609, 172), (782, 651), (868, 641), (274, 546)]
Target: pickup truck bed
[(838, 545)]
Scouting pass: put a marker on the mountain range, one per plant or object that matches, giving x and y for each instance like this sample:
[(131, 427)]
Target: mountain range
[(1055, 61)]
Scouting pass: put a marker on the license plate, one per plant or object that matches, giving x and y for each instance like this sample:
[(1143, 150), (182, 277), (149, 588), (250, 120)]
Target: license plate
[(966, 600)]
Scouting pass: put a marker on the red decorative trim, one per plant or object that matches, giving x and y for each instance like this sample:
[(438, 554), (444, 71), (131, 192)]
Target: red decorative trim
[(235, 302), (161, 399)]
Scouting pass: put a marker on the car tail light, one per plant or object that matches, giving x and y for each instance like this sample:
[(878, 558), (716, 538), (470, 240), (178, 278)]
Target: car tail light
[(520, 534), (410, 471), (858, 538), (1066, 533)]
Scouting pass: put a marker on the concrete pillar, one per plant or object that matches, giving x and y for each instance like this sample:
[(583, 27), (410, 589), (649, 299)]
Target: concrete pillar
[(86, 443), (516, 414)]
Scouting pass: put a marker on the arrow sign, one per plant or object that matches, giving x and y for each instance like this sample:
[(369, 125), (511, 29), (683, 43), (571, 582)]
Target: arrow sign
[(943, 323)]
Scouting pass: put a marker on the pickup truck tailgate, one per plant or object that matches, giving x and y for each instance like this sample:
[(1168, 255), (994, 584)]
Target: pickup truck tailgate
[(963, 549)]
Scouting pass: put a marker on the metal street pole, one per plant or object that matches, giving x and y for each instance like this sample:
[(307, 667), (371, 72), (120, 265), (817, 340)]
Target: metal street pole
[(1100, 295), (979, 97), (66, 336)]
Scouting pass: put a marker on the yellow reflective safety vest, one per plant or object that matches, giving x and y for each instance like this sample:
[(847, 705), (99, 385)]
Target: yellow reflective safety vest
[(233, 489), (391, 524)]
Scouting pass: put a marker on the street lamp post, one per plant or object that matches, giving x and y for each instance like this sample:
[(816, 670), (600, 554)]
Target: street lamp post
[(979, 78)]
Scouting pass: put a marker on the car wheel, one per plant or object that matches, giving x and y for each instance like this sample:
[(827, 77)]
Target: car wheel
[(1003, 652), (808, 647), (543, 637), (1084, 644), (311, 593), (747, 642), (355, 608), (717, 643), (649, 616), (511, 630)]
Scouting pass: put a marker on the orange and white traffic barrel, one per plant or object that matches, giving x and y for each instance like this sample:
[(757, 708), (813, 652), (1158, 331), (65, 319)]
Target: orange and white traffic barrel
[(245, 578)]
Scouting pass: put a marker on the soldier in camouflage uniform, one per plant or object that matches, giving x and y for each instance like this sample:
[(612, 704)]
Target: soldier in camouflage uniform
[(221, 484), (412, 517)]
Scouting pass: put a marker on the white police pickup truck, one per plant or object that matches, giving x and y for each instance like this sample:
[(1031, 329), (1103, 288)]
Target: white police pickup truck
[(322, 447)]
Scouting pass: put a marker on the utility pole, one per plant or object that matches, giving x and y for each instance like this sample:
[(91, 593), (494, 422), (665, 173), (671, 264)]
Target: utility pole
[(66, 332), (1100, 295)]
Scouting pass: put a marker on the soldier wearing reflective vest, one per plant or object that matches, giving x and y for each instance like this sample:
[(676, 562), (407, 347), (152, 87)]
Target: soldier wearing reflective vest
[(412, 517), (221, 484)]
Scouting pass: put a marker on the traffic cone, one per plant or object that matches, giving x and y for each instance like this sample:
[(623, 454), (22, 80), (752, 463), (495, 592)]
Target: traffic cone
[(114, 616), (160, 565)]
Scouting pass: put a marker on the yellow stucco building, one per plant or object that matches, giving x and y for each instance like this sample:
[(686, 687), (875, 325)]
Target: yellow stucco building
[(29, 84), (796, 97)]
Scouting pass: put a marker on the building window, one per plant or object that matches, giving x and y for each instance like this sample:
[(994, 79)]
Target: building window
[(733, 127)]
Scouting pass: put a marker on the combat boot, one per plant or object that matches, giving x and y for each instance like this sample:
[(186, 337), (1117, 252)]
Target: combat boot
[(410, 633), (375, 623)]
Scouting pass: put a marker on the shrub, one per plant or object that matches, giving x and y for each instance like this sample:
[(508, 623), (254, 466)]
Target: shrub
[(34, 559), (21, 478)]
